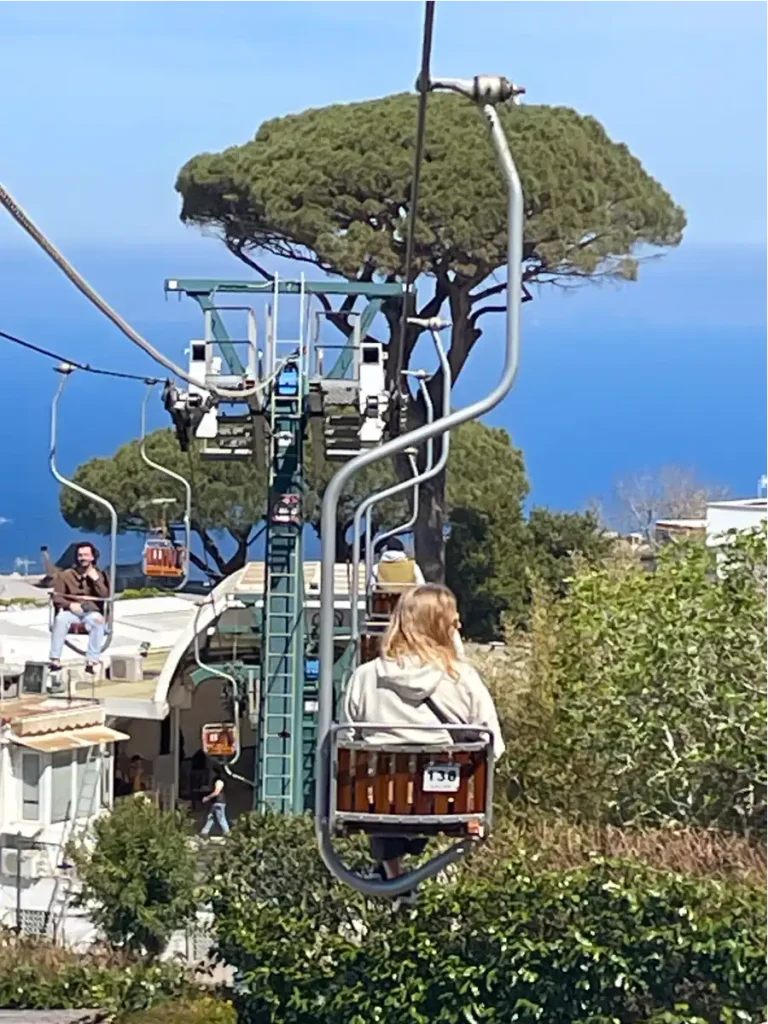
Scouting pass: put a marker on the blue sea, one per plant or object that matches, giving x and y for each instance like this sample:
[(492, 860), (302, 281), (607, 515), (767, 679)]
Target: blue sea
[(614, 379)]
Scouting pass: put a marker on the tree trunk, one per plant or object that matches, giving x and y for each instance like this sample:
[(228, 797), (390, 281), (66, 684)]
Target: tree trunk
[(343, 547), (428, 532), (238, 560)]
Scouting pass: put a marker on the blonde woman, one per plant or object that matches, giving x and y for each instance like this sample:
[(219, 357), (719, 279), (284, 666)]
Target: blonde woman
[(420, 678)]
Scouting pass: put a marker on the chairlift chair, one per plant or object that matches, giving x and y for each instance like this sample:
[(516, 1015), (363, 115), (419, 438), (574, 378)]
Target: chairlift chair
[(79, 629), (410, 789), (162, 558)]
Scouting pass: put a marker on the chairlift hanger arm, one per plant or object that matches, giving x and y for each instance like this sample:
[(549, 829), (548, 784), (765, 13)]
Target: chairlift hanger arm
[(65, 370), (431, 471), (211, 670), (411, 521), (515, 225)]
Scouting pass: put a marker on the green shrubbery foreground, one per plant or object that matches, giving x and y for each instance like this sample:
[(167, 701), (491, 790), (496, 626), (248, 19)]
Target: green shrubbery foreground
[(597, 943)]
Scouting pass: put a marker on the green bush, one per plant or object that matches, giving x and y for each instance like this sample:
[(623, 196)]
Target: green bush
[(645, 700), (139, 875), (203, 1010), (600, 943), (35, 975)]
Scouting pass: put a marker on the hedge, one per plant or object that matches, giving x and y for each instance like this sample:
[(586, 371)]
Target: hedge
[(35, 975), (607, 942)]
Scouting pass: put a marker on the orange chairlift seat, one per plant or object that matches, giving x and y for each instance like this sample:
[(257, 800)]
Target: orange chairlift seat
[(162, 558)]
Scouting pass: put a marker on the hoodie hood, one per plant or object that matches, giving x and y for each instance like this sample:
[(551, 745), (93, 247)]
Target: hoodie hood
[(393, 556), (412, 682)]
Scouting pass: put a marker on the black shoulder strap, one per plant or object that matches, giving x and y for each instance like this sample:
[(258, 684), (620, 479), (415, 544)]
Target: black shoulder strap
[(437, 712)]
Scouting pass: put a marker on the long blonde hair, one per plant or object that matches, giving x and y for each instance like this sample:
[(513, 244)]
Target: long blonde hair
[(422, 627)]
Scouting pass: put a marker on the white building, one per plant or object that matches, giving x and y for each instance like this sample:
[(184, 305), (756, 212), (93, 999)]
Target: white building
[(723, 516), (55, 774)]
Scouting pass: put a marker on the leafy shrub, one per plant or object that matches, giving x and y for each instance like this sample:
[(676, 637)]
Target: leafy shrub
[(139, 875), (134, 593), (645, 703), (600, 943), (36, 975), (203, 1010)]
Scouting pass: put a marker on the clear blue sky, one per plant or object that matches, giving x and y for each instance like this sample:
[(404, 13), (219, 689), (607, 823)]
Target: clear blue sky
[(103, 102)]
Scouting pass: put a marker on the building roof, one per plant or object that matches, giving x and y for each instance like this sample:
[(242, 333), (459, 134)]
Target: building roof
[(248, 580), (14, 586), (35, 715), (168, 624), (25, 633), (682, 524)]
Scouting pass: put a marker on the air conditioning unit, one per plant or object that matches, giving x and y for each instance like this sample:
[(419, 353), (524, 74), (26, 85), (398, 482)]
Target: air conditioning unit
[(35, 676), (129, 667), (27, 863)]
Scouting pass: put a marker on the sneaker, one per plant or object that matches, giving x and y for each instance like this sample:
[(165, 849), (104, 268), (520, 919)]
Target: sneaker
[(54, 666), (91, 668), (375, 874)]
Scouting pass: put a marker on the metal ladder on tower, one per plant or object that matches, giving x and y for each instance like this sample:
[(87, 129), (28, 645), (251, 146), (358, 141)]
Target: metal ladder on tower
[(76, 825), (279, 787)]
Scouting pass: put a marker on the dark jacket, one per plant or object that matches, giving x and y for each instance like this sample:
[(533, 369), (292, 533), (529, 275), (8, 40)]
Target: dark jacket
[(72, 585)]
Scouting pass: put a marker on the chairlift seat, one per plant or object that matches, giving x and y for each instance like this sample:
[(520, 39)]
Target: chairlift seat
[(405, 790), (162, 558)]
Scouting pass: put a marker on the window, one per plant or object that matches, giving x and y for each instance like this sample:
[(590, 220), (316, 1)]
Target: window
[(30, 787), (61, 785)]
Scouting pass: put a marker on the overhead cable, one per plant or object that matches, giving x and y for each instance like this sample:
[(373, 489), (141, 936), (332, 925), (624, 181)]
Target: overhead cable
[(21, 218), (75, 364), (421, 121)]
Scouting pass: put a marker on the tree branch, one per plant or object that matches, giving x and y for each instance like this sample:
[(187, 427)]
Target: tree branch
[(209, 547), (485, 309), (203, 566), (494, 290), (237, 250)]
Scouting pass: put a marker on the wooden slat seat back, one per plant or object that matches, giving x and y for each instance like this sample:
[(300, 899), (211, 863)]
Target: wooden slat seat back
[(376, 782), (369, 647), (383, 602)]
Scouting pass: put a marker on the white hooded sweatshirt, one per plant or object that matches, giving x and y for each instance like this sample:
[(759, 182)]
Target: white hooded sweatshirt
[(387, 692)]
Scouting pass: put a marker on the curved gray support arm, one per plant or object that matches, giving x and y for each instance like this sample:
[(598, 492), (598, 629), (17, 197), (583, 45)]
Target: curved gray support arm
[(434, 326), (172, 476), (65, 370), (515, 225), (370, 541)]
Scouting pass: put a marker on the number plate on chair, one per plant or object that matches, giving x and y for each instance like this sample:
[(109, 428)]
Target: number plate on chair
[(442, 778)]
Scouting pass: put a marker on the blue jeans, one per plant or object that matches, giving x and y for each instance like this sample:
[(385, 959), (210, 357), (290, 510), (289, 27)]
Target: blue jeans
[(218, 814), (93, 622)]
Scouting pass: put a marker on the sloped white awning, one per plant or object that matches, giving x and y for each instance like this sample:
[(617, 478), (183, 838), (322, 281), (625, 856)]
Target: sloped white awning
[(71, 739)]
